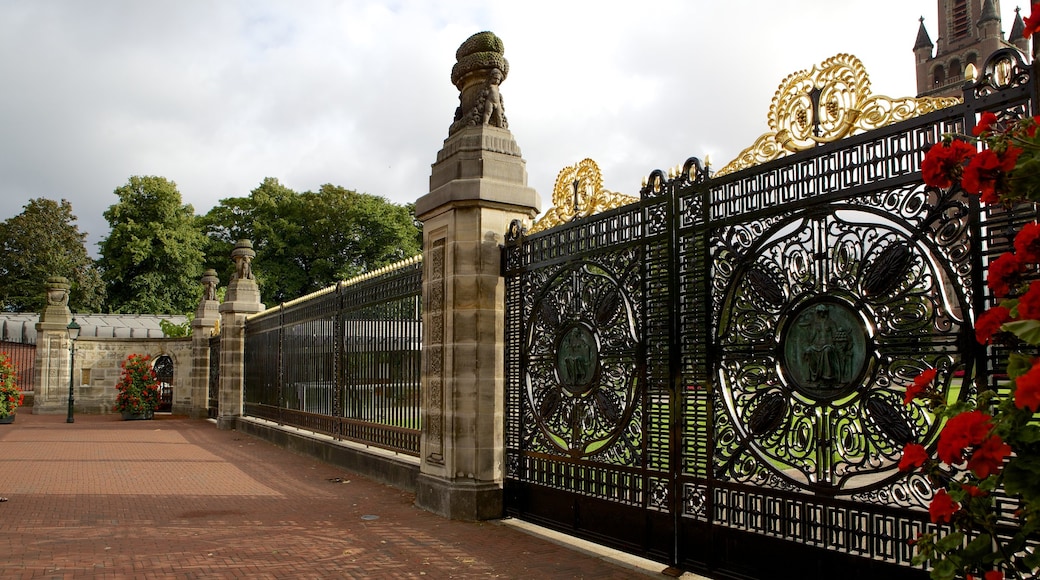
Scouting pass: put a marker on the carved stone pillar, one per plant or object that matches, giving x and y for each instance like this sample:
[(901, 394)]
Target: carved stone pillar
[(51, 385), (206, 317), (477, 187), (241, 300)]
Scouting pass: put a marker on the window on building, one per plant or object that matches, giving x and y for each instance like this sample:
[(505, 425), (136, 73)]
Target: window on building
[(939, 74)]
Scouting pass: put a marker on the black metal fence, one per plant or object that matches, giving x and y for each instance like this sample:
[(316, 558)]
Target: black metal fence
[(23, 357), (344, 361), (713, 376)]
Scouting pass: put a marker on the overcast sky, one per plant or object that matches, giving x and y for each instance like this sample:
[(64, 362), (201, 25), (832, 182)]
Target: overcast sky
[(217, 95)]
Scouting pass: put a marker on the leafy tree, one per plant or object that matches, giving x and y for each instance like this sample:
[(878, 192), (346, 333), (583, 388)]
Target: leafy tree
[(152, 259), (44, 241), (305, 242)]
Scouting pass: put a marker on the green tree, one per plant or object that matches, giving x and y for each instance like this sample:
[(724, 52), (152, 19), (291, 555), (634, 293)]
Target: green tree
[(44, 241), (151, 260), (307, 241)]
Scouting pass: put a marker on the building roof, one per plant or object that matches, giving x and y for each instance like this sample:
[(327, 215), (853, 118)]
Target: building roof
[(989, 12), (923, 40), (21, 326), (1017, 28)]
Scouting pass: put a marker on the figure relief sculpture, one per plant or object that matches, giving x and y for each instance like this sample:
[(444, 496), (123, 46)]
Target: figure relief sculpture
[(243, 255), (478, 72), (209, 284)]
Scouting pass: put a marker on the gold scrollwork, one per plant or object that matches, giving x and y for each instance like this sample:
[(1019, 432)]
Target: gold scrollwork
[(579, 193), (825, 104)]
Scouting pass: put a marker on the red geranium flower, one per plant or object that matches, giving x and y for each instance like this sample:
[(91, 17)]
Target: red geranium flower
[(942, 507), (962, 431), (1032, 21), (974, 491), (914, 456), (944, 162), (1027, 389), (989, 322), (1029, 303), (987, 459), (985, 123), (986, 173), (1027, 243), (920, 385), (1003, 273)]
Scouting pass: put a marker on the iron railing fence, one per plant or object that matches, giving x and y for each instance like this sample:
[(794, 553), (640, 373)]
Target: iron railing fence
[(23, 358), (344, 361)]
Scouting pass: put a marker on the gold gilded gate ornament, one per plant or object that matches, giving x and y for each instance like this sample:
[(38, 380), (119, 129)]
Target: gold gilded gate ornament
[(579, 192), (825, 104)]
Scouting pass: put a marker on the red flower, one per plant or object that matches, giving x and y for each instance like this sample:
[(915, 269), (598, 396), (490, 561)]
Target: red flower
[(989, 456), (986, 173), (962, 431), (1032, 22), (1003, 273), (914, 456), (985, 123), (974, 491), (942, 507), (944, 162), (920, 385), (1029, 303), (1027, 389), (1027, 243), (989, 323)]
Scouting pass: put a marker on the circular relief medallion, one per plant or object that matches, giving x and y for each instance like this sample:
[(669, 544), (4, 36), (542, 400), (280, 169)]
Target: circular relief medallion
[(824, 349), (577, 360)]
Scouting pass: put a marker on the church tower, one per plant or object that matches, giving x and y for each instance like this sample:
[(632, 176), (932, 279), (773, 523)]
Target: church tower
[(969, 31)]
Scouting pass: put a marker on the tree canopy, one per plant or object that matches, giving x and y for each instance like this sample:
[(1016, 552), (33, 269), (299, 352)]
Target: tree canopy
[(40, 242), (152, 259), (307, 241)]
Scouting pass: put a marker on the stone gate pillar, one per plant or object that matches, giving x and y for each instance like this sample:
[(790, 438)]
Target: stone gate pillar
[(241, 300), (478, 186), (206, 317), (51, 385)]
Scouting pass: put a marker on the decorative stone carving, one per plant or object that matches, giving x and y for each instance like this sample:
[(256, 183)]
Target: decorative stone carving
[(478, 72), (209, 284), (57, 291), (243, 254)]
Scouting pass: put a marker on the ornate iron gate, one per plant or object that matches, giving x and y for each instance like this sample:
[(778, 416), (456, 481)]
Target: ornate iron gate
[(712, 375)]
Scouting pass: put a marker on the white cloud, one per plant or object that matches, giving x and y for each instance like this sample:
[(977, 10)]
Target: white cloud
[(218, 95)]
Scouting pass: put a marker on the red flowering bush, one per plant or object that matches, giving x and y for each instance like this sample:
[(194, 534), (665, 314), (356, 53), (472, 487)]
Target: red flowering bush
[(11, 396), (138, 386), (989, 444)]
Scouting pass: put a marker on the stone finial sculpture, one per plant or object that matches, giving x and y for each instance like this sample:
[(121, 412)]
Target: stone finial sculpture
[(243, 254), (209, 284), (478, 72), (57, 291)]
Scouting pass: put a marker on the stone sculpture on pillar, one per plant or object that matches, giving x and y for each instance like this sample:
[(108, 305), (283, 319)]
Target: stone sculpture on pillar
[(51, 382), (207, 316), (478, 185), (241, 300)]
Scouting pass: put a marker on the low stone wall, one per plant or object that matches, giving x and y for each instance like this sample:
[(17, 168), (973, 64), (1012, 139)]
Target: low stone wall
[(98, 368), (393, 469)]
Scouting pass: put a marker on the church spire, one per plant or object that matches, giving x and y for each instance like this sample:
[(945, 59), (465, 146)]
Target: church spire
[(989, 13), (923, 40)]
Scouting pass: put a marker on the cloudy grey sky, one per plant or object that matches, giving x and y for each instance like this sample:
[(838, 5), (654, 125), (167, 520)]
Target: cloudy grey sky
[(216, 95)]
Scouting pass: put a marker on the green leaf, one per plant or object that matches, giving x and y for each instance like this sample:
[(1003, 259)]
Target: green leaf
[(950, 541), (1018, 364), (944, 570), (1027, 330)]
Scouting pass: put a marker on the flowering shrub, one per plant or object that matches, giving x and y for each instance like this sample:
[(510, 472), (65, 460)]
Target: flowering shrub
[(11, 396), (991, 441), (138, 386)]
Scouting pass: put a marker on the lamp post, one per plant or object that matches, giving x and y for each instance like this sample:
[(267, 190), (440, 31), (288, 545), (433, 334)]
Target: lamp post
[(73, 329)]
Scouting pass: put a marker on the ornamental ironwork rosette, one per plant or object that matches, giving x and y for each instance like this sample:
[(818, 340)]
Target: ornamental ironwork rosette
[(582, 371), (578, 193), (825, 317)]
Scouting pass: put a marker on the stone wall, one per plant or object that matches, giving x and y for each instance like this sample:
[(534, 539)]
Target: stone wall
[(97, 370)]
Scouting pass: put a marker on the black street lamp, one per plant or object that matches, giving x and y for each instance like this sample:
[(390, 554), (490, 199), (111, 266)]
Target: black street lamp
[(73, 329)]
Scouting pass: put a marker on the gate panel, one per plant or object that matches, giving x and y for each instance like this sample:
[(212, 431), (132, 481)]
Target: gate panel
[(713, 376)]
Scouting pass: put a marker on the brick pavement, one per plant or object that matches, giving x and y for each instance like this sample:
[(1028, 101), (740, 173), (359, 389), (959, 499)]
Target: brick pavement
[(177, 498)]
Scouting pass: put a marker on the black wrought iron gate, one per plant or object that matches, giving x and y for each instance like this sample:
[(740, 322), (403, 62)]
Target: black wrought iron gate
[(712, 376)]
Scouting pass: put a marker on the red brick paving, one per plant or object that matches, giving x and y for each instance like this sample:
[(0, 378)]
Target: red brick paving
[(177, 498)]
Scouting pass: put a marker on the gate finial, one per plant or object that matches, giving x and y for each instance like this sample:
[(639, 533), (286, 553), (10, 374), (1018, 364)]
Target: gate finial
[(579, 192)]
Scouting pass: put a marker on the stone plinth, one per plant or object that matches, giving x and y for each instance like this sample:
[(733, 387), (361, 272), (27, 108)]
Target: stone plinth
[(478, 185), (241, 300)]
